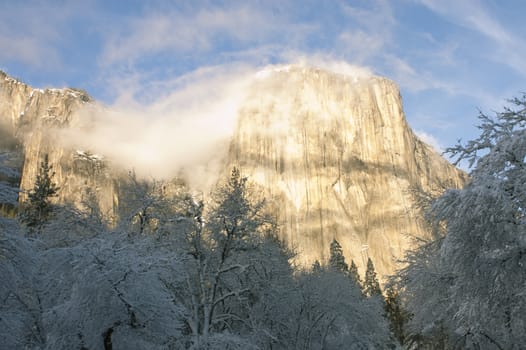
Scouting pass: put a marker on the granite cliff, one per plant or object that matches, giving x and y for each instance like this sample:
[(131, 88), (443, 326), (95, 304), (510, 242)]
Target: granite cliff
[(339, 160), (333, 153)]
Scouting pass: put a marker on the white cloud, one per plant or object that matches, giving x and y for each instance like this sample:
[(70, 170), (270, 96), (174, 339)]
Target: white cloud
[(430, 140), (197, 31), (361, 45), (378, 18), (405, 74), (27, 50), (35, 33), (370, 32)]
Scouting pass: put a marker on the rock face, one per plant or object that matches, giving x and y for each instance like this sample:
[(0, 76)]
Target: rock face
[(339, 160), (333, 153), (30, 119)]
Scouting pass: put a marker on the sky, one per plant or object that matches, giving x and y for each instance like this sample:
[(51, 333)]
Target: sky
[(450, 58)]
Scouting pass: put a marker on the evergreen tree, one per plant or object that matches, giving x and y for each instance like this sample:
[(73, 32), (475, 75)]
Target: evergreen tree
[(336, 258), (353, 273), (396, 314), (371, 286), (316, 266), (38, 207)]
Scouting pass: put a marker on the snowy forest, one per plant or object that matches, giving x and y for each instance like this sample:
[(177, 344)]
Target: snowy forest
[(180, 271)]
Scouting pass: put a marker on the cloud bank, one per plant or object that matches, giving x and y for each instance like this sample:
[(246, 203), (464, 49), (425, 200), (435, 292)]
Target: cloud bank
[(183, 128), (179, 131)]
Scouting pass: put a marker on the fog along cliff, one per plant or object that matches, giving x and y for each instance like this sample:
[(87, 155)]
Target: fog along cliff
[(30, 120), (333, 154), (338, 158)]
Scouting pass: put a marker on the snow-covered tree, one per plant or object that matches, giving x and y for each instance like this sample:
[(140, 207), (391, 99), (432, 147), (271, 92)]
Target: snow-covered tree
[(145, 206), (273, 296), (332, 313), (371, 286), (93, 292), (222, 248), (336, 258), (466, 287), (221, 280)]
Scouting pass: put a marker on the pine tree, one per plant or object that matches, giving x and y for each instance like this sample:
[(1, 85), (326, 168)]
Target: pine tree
[(316, 267), (396, 315), (353, 273), (371, 286), (336, 258), (38, 208)]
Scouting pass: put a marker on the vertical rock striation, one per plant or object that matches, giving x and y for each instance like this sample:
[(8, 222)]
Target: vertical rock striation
[(340, 161)]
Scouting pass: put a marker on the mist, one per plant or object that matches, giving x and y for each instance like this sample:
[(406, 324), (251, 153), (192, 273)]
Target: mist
[(179, 127), (182, 128)]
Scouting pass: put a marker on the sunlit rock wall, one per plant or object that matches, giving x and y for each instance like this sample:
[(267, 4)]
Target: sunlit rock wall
[(339, 160)]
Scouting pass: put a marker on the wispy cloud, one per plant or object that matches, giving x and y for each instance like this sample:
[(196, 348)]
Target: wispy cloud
[(430, 140), (360, 45), (184, 127), (30, 42), (174, 133), (27, 50), (471, 14), (197, 31), (370, 31), (378, 16), (36, 33), (510, 48)]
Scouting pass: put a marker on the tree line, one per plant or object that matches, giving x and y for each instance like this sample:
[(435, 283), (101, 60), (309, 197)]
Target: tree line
[(176, 272), (227, 282)]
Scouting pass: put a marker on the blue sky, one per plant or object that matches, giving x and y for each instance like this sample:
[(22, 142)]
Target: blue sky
[(448, 57)]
